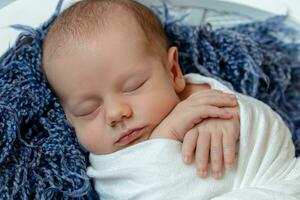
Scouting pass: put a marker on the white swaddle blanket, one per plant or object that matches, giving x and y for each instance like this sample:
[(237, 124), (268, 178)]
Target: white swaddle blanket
[(154, 170)]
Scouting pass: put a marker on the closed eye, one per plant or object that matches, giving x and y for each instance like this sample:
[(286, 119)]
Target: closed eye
[(89, 112), (135, 87)]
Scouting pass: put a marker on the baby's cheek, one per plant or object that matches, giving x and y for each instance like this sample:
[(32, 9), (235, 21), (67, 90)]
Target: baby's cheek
[(91, 138), (161, 107)]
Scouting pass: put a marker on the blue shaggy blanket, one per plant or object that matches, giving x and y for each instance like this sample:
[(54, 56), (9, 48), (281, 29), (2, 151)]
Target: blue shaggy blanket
[(39, 155)]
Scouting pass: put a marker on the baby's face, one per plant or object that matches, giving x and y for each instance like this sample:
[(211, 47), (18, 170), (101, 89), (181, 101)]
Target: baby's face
[(111, 86)]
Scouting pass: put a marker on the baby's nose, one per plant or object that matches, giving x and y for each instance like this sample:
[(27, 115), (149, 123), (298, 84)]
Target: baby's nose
[(116, 110)]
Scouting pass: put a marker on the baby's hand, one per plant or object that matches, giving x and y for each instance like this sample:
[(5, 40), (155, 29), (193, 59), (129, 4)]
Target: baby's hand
[(194, 109), (213, 140)]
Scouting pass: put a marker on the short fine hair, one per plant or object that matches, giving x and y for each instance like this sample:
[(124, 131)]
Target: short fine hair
[(86, 16)]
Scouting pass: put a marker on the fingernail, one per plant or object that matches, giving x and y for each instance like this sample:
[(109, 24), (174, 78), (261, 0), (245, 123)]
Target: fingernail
[(229, 166), (186, 159), (202, 173), (217, 175), (214, 174)]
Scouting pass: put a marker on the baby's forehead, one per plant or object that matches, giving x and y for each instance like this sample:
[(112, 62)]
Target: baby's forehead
[(88, 17), (69, 34)]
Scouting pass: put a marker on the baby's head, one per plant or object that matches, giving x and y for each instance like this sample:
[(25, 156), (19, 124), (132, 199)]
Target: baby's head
[(109, 63)]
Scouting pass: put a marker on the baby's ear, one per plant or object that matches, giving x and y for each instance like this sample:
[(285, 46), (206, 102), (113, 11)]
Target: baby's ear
[(174, 70)]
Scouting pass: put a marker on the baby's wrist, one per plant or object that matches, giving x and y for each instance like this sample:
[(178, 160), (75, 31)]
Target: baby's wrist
[(163, 131)]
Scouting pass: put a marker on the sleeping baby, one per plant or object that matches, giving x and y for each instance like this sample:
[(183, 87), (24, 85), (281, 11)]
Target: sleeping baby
[(121, 87)]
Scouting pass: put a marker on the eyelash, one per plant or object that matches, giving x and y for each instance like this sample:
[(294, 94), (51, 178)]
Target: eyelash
[(90, 112), (131, 90), (137, 87)]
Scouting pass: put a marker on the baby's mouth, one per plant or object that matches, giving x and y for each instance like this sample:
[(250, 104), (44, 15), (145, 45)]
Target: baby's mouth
[(129, 137)]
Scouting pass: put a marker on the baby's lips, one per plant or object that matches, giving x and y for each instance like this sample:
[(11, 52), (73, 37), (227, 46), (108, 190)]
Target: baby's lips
[(129, 136)]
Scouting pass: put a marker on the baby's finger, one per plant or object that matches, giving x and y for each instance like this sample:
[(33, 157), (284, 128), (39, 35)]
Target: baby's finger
[(207, 111), (215, 99), (202, 153), (205, 92), (189, 145), (216, 155), (229, 146), (194, 116)]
